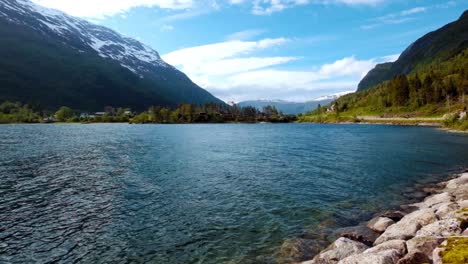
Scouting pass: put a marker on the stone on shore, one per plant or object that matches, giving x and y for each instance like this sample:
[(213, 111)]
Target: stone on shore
[(437, 226), (414, 258), (398, 245), (388, 252), (424, 245), (407, 227), (389, 256), (360, 233), (438, 199), (441, 228), (455, 183), (394, 215), (338, 250), (380, 224), (447, 210)]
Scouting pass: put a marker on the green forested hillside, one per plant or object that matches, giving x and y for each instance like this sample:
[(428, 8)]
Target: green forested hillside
[(433, 90), (438, 45)]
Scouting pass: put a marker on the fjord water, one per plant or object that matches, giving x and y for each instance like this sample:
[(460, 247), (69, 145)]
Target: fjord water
[(202, 193)]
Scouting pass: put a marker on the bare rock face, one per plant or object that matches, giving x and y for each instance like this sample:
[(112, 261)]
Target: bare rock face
[(380, 224), (340, 249), (441, 228), (408, 225)]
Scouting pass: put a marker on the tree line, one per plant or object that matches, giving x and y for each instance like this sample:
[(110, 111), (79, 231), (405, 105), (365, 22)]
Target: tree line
[(15, 112)]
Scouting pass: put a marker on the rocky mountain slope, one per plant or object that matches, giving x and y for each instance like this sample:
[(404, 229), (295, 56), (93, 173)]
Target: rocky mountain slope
[(52, 59)]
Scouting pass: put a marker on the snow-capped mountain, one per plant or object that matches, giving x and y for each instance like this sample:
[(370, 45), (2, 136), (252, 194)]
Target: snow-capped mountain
[(83, 37), (333, 96), (294, 108)]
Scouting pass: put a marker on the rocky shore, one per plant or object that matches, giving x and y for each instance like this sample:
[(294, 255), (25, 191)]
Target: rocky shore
[(432, 231)]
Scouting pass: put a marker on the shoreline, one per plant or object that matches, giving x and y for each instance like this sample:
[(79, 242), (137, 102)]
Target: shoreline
[(428, 231)]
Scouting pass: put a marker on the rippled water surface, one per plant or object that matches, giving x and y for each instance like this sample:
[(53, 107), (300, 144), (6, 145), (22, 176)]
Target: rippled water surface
[(201, 193)]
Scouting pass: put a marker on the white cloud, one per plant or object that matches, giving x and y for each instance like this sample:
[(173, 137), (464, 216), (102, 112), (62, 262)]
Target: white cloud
[(166, 28), (395, 18), (245, 34), (102, 8), (231, 71), (267, 7), (391, 58)]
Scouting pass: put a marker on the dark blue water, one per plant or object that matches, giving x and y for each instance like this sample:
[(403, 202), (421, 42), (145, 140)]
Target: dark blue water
[(202, 193)]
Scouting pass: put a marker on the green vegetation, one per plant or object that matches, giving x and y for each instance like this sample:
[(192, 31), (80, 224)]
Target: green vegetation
[(434, 90), (456, 251), (436, 46), (185, 113), (17, 113), (42, 71), (211, 113)]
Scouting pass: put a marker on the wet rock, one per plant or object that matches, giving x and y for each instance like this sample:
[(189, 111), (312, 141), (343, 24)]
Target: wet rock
[(441, 228), (380, 224), (338, 250), (361, 234), (414, 258), (425, 245), (409, 208), (407, 227), (438, 199), (296, 250), (394, 215)]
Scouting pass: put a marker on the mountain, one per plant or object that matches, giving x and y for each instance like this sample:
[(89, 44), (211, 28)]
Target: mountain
[(441, 45), (293, 108), (50, 59)]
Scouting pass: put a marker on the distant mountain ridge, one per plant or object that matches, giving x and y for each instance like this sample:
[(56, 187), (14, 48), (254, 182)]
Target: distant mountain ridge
[(440, 44), (53, 59), (293, 108)]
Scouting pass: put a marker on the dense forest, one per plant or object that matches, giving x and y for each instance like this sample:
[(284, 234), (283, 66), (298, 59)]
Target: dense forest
[(15, 112), (435, 89)]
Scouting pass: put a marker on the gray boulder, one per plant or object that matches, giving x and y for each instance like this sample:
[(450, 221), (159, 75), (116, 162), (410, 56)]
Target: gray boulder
[(408, 225), (380, 224), (338, 250)]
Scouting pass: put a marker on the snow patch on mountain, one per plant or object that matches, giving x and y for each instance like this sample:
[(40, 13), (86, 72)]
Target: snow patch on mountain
[(333, 96), (83, 35)]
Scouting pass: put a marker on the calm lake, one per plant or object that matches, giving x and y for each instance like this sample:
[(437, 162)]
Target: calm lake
[(229, 193)]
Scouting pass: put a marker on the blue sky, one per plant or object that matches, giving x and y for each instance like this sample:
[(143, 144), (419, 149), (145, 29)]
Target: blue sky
[(293, 50)]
